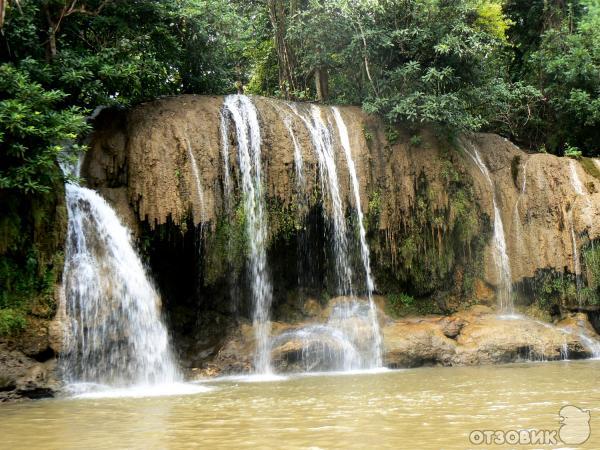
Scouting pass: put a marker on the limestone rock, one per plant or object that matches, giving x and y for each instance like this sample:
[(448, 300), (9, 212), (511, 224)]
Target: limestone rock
[(479, 337)]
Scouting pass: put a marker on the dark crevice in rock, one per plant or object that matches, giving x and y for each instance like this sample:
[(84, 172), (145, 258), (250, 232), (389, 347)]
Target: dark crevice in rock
[(594, 318), (44, 355)]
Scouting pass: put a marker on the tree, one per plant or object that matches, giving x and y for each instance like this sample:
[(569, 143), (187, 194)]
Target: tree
[(279, 10), (555, 48), (32, 130)]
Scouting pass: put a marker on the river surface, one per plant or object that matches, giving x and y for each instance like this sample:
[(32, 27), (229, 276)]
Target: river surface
[(427, 408)]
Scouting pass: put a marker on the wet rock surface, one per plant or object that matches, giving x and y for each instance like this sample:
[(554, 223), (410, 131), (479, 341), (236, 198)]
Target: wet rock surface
[(22, 377), (477, 336)]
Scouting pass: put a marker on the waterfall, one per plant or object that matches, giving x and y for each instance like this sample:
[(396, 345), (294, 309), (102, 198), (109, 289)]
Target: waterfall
[(575, 180), (305, 254), (516, 214), (592, 344), (115, 334), (323, 142), (240, 110), (347, 315), (579, 191), (323, 348), (501, 259), (576, 259), (224, 127), (298, 160), (196, 174), (364, 248)]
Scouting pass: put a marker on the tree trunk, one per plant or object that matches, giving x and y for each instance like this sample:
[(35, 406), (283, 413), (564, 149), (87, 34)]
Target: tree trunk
[(322, 84), (2, 12), (52, 28), (285, 57)]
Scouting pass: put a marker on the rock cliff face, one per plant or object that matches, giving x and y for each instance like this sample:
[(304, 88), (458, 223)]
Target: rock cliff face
[(428, 206), (141, 161)]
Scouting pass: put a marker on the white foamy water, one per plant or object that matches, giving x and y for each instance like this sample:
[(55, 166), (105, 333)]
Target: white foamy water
[(348, 316), (115, 334), (138, 391), (240, 110), (575, 180), (500, 254), (592, 344), (323, 143), (364, 248), (298, 160)]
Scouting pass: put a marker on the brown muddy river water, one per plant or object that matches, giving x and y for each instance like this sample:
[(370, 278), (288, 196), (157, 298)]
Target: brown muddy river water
[(428, 408)]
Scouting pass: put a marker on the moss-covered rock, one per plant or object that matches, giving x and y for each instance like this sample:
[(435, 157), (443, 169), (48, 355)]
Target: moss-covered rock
[(32, 233)]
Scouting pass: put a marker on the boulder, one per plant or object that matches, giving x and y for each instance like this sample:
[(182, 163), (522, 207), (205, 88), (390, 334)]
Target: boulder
[(478, 336), (23, 377)]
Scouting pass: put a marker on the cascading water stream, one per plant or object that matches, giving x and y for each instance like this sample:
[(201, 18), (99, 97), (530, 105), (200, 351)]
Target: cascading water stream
[(344, 314), (364, 248), (516, 213), (501, 259), (575, 180), (198, 183), (305, 255), (579, 192), (323, 142), (576, 259), (592, 344), (298, 160), (114, 334), (241, 111)]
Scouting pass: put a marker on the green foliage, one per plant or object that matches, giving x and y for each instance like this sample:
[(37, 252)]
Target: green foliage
[(264, 75), (435, 248), (402, 305), (591, 262), (284, 222), (30, 260), (33, 127), (557, 48), (572, 152), (552, 289), (391, 134), (398, 303), (492, 19), (527, 70), (416, 140), (11, 321), (59, 63), (226, 247)]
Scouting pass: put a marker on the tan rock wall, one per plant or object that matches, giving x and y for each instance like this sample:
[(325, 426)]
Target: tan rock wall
[(145, 152)]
